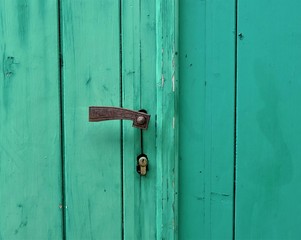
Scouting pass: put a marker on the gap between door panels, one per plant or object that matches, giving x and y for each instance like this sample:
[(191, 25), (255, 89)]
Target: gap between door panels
[(61, 93), (129, 86), (235, 118), (121, 122)]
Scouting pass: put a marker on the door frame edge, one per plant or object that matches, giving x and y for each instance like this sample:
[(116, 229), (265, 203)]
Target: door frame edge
[(167, 118)]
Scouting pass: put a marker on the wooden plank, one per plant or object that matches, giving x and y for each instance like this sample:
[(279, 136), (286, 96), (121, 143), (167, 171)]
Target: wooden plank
[(268, 120), (207, 74), (149, 201), (131, 98), (91, 74), (139, 89), (148, 101), (166, 119), (30, 161)]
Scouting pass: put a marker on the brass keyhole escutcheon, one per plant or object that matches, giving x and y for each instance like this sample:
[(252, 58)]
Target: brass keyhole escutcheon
[(142, 164)]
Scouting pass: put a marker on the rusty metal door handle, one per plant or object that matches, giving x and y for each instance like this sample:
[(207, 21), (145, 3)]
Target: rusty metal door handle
[(140, 119)]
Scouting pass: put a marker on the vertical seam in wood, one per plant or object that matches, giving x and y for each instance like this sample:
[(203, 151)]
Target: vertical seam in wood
[(235, 120), (140, 55), (121, 122), (140, 77), (61, 92), (140, 230), (159, 75), (176, 116)]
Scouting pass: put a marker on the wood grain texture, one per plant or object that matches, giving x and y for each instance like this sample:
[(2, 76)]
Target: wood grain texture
[(91, 77), (139, 91), (207, 77), (149, 202), (167, 120), (30, 161), (131, 99), (268, 120)]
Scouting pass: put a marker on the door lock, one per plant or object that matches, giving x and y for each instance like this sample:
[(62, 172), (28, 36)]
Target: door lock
[(142, 164), (140, 118)]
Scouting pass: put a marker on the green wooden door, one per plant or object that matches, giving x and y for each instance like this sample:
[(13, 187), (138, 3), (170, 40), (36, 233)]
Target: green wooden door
[(239, 166), (63, 177)]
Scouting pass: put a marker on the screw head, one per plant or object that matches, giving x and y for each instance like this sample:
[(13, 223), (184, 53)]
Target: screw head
[(141, 120)]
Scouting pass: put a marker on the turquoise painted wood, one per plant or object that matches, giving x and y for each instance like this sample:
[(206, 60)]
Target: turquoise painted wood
[(30, 148), (206, 101), (268, 120), (104, 196), (139, 86), (239, 59), (63, 177), (236, 94), (92, 156), (167, 120)]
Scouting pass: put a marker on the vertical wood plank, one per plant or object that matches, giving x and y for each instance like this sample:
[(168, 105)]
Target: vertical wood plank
[(30, 161), (167, 120), (149, 201), (268, 120), (207, 83), (130, 25), (91, 74), (139, 91), (148, 93)]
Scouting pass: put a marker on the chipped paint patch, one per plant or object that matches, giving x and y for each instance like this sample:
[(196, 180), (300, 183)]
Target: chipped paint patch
[(173, 82), (162, 80)]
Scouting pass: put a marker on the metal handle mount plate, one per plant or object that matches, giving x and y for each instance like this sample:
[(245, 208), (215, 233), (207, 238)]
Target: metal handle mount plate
[(140, 119)]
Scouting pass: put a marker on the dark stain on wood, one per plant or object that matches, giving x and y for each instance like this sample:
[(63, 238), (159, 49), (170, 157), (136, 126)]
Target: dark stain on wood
[(23, 20)]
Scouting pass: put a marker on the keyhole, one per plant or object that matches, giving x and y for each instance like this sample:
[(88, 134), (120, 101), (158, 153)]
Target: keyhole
[(142, 164)]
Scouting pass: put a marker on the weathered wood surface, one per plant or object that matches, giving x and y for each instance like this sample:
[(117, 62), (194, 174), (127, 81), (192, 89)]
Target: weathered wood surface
[(139, 89), (30, 154), (207, 77), (148, 75), (91, 76), (167, 119), (59, 58), (268, 120)]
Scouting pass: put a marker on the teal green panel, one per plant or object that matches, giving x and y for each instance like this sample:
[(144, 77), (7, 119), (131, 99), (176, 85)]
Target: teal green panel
[(207, 83), (131, 137), (148, 87), (166, 119), (268, 120), (30, 153), (139, 92), (148, 64), (91, 77)]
